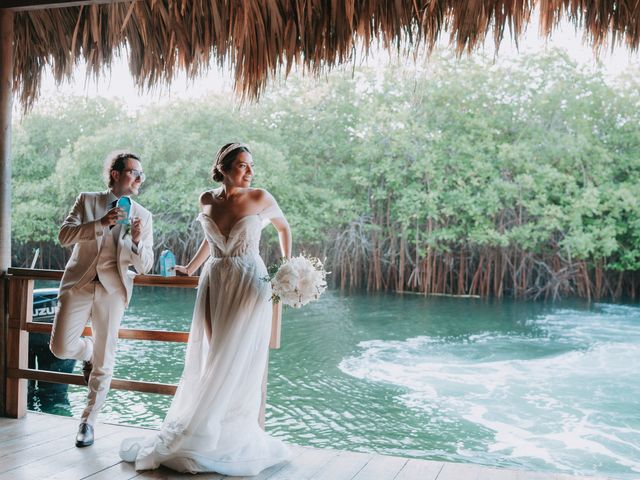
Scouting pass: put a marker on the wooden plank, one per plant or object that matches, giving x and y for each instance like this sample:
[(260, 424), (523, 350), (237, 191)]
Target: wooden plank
[(168, 474), (271, 471), (18, 313), (456, 471), (30, 423), (343, 466), (72, 379), (11, 430), (536, 476), (485, 473), (124, 333), (307, 464), (120, 471), (20, 304), (54, 449), (563, 476), (416, 469), (26, 305), (33, 419), (46, 376), (125, 470), (102, 455), (381, 467), (35, 273), (164, 473), (141, 280), (22, 442), (160, 281), (20, 307), (62, 458), (42, 428)]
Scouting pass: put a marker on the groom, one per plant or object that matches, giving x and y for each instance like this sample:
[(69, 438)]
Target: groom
[(97, 284)]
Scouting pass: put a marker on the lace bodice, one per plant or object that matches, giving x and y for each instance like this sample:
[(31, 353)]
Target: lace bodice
[(244, 236)]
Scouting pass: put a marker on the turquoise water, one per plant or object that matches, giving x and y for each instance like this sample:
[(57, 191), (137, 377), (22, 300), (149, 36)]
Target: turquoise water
[(551, 387)]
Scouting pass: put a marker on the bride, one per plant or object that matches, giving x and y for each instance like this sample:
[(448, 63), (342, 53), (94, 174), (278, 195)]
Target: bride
[(213, 422)]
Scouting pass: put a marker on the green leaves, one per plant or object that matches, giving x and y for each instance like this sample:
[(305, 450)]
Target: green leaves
[(535, 155)]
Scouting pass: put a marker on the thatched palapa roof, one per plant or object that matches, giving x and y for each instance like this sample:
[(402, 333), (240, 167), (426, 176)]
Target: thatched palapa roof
[(260, 37)]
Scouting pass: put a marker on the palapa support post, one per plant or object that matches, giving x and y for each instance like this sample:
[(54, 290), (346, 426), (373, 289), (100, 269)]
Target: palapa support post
[(20, 312), (6, 106)]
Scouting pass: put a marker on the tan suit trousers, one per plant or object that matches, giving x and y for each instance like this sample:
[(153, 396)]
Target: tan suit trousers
[(76, 307)]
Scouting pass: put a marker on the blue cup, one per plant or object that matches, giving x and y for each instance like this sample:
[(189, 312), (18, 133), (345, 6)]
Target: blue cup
[(167, 264), (125, 204)]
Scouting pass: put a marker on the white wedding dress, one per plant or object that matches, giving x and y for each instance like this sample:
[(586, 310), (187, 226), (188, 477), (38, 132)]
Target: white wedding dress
[(212, 424)]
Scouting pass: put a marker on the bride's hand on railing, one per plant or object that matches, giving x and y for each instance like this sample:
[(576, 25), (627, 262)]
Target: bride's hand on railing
[(181, 271)]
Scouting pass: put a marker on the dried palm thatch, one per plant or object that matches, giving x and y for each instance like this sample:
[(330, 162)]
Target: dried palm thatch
[(261, 37)]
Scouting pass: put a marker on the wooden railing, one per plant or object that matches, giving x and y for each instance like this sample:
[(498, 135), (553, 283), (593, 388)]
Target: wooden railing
[(20, 324)]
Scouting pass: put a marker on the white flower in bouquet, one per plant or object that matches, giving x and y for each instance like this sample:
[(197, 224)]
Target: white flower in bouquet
[(286, 278), (299, 281)]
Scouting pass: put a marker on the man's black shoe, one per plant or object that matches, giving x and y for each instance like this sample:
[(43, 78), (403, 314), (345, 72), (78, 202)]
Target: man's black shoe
[(87, 366), (84, 438)]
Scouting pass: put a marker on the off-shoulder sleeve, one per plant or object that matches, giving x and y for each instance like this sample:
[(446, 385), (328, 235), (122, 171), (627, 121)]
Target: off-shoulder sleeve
[(271, 212)]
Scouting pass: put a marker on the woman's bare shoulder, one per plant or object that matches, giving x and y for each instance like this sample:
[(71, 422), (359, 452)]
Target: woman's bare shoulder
[(207, 198), (260, 195)]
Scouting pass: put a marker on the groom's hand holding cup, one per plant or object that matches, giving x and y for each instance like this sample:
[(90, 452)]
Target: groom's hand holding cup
[(112, 216)]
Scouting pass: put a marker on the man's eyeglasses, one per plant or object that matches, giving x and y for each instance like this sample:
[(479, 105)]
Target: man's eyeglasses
[(137, 174)]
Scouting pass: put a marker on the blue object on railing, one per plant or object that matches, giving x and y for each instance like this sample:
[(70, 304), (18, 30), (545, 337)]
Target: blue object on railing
[(167, 264)]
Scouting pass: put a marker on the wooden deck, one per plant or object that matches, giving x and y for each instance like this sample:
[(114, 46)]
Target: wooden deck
[(42, 447)]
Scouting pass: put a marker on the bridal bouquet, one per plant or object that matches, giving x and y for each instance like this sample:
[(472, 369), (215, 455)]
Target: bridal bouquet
[(298, 281)]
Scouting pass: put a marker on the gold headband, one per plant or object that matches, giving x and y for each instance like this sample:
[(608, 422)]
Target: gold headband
[(228, 150)]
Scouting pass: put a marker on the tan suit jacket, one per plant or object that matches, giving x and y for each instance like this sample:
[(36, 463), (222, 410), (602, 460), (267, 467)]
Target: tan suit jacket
[(83, 230)]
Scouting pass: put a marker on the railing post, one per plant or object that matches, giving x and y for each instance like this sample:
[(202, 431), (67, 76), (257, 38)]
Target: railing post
[(6, 106), (4, 320), (20, 311)]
